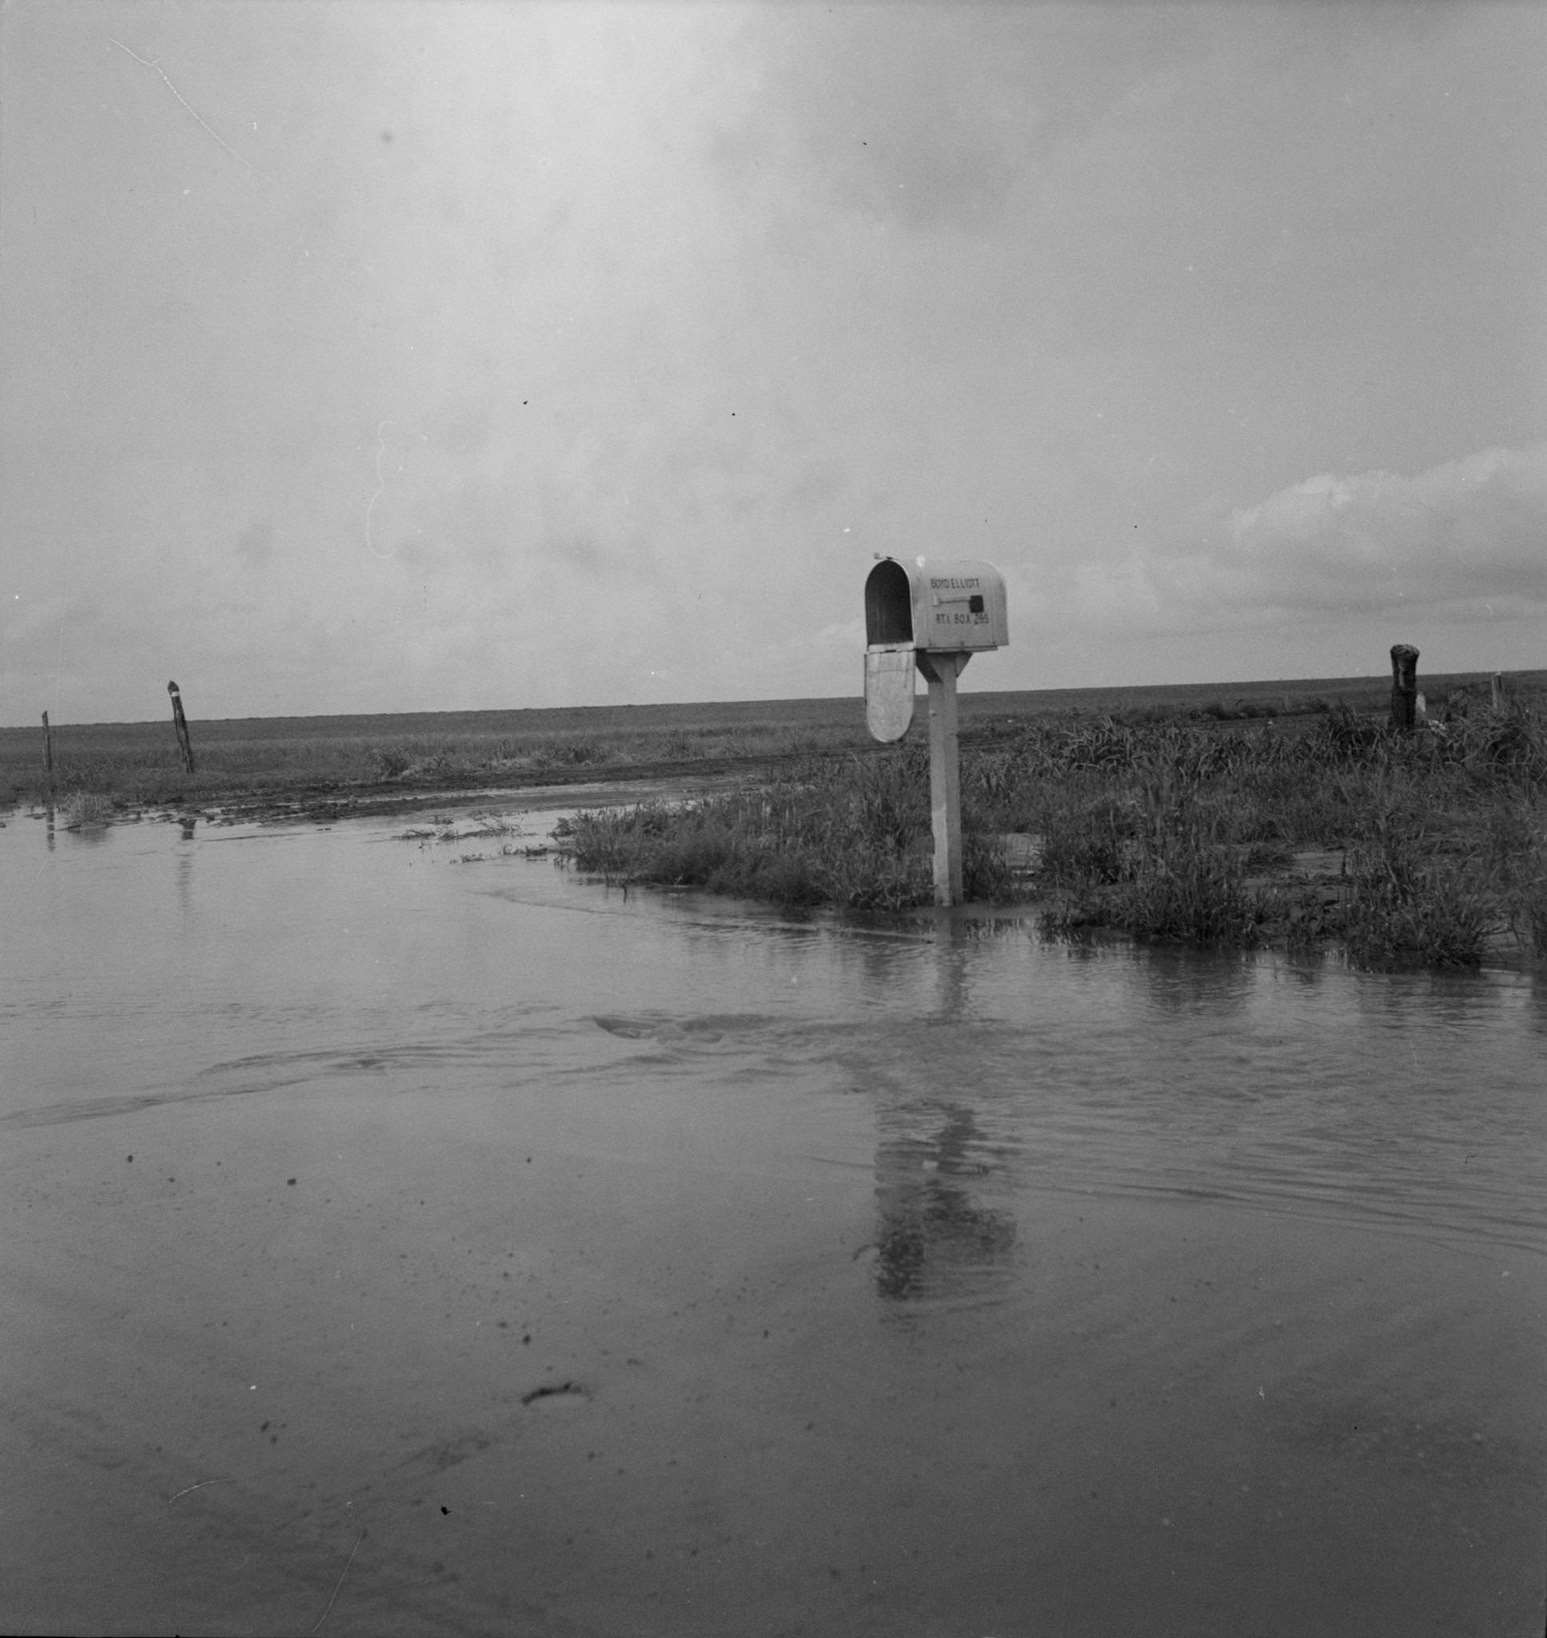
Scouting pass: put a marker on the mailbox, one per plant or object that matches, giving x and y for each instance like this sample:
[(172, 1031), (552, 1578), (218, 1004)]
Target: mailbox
[(953, 606), (936, 604), (933, 616)]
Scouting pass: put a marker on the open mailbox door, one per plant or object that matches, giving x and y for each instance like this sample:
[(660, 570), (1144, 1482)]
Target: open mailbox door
[(889, 675)]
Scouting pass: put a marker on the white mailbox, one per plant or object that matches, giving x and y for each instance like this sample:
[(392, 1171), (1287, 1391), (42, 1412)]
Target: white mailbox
[(933, 615), (948, 606), (936, 604)]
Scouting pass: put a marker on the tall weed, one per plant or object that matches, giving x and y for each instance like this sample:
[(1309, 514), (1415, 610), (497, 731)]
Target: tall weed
[(1412, 903)]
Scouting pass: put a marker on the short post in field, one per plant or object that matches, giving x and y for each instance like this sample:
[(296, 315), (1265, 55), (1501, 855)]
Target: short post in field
[(945, 794), (1497, 695), (48, 755), (1404, 687), (180, 723)]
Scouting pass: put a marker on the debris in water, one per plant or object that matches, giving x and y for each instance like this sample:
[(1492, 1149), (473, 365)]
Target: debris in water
[(557, 1394)]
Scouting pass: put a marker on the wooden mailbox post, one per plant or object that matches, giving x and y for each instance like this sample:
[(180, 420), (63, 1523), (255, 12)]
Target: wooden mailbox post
[(934, 614)]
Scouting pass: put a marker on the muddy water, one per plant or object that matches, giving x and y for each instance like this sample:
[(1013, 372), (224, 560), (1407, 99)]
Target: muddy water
[(394, 1244)]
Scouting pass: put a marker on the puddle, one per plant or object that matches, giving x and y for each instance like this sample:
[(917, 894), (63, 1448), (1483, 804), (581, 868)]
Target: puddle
[(632, 1263)]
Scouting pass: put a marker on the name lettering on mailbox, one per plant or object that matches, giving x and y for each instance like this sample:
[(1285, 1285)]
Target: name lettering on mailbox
[(977, 614)]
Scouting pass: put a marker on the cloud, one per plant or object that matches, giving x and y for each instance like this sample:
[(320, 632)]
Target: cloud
[(1466, 531), (1463, 538)]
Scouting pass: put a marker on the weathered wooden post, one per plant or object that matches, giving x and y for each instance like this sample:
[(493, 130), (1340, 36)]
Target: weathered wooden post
[(48, 755), (1496, 696), (180, 723), (945, 786), (935, 615), (1404, 687)]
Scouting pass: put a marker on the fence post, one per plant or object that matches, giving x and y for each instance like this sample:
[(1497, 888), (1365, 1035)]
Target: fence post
[(48, 755), (180, 723), (1404, 687), (1498, 691)]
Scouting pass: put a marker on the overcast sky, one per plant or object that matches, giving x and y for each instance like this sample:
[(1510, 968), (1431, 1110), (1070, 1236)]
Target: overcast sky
[(368, 355)]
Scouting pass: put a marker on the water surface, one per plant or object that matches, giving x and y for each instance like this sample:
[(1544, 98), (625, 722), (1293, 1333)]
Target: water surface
[(422, 1245)]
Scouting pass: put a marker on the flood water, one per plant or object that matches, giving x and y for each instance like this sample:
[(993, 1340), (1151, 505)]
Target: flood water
[(394, 1244)]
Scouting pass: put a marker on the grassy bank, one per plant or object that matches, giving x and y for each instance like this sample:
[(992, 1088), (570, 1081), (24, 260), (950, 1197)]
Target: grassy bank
[(850, 831), (1432, 844), (1437, 837)]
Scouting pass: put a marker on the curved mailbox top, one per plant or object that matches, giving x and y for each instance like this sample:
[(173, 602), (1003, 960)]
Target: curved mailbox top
[(936, 603)]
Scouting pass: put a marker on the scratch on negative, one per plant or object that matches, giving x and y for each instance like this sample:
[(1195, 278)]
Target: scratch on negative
[(199, 1486), (340, 1582), (145, 62), (381, 483)]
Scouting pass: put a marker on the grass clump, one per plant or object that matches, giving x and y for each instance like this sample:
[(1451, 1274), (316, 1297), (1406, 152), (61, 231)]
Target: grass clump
[(853, 833), (1409, 904), (83, 809), (1175, 886)]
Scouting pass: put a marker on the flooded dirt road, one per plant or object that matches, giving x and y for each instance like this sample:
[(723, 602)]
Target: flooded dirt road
[(393, 1244)]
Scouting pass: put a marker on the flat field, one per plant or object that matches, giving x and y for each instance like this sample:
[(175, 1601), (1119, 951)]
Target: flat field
[(351, 758)]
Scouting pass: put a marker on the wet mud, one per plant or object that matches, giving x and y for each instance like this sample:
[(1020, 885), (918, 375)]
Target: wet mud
[(326, 802)]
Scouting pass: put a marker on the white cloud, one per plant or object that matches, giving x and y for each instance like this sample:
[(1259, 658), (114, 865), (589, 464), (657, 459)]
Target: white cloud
[(1465, 537)]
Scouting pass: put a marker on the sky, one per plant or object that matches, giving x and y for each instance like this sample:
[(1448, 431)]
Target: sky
[(425, 355)]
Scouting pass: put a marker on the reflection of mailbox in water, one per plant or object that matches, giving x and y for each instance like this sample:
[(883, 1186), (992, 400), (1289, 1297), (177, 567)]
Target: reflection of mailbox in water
[(940, 604)]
